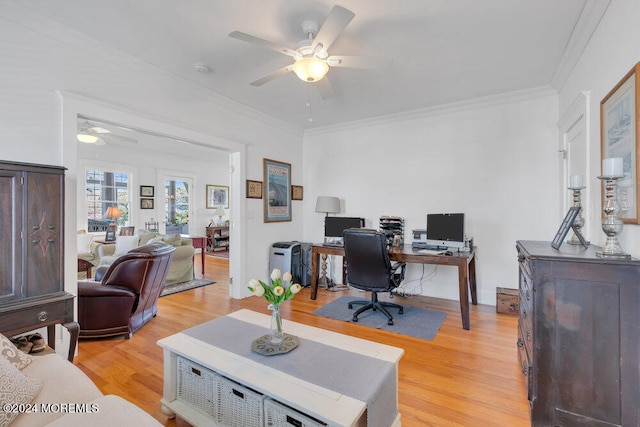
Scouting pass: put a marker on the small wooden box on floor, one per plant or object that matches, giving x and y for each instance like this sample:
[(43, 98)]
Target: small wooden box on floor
[(507, 301)]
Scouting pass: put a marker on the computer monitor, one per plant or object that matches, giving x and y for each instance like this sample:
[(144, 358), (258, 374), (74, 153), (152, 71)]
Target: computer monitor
[(334, 226), (445, 230)]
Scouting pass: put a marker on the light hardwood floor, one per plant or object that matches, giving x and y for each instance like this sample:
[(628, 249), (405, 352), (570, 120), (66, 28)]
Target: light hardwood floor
[(461, 378)]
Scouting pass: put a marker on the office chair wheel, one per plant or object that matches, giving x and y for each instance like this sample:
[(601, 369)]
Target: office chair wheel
[(350, 306), (401, 311), (355, 319), (390, 322)]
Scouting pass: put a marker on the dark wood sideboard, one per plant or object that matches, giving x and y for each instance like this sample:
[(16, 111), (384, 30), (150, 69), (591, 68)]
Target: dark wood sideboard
[(32, 252), (579, 336)]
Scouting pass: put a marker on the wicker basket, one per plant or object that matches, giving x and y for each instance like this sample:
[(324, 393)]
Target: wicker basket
[(197, 386), (238, 405), (276, 414)]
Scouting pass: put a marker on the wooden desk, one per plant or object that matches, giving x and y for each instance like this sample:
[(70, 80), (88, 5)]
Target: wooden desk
[(200, 242), (465, 261)]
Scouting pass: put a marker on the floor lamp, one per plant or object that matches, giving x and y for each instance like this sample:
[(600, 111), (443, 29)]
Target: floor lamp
[(327, 205)]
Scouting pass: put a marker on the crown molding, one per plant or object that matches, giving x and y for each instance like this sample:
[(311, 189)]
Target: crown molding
[(438, 110), (586, 25)]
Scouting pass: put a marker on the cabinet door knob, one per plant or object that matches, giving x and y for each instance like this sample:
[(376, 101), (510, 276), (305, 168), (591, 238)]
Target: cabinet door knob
[(35, 227), (35, 241), (520, 343), (43, 316), (51, 240)]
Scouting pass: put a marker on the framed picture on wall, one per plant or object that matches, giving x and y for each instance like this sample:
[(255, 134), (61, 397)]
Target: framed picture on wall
[(254, 189), (620, 137), (146, 203), (146, 190), (217, 195), (296, 192), (277, 189)]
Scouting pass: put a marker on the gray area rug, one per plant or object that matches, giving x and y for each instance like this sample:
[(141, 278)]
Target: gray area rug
[(415, 322), (184, 286)]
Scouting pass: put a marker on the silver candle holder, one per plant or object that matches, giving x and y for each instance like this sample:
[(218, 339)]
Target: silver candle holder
[(611, 223), (578, 223)]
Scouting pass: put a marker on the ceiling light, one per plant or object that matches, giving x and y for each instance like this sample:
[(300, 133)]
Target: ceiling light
[(86, 138), (310, 69)]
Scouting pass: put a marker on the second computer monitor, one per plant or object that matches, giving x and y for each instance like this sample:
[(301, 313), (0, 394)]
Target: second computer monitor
[(445, 230), (334, 226)]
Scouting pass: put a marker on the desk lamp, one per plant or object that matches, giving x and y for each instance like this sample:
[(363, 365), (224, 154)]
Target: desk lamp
[(327, 205), (113, 212), (220, 212)]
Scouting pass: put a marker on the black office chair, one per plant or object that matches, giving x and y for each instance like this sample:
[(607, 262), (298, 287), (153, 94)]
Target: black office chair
[(369, 269)]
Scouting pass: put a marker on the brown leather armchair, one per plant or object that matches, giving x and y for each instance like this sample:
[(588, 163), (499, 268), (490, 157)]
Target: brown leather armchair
[(124, 296)]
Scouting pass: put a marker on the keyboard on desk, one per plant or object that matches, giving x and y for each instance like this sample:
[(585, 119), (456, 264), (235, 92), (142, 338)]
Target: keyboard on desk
[(333, 245)]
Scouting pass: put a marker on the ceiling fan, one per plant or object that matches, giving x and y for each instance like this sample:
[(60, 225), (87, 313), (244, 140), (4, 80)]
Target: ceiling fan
[(312, 61), (92, 133)]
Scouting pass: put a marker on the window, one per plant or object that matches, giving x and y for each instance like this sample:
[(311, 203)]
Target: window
[(103, 190), (177, 206)]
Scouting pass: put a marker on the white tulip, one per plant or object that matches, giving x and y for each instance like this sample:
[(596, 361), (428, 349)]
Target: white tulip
[(295, 288), (278, 290), (253, 284), (258, 291), (275, 274), (287, 277)]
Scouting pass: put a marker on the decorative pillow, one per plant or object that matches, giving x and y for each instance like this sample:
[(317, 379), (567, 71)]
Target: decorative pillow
[(84, 242), (155, 239), (124, 244), (15, 389), (10, 352), (173, 239), (144, 236)]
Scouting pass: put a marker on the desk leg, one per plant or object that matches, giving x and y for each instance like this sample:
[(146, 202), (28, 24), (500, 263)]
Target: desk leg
[(202, 259), (74, 330), (463, 285), (314, 274), (472, 281)]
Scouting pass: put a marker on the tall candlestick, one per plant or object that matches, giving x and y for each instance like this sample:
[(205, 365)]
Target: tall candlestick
[(612, 166), (576, 181)]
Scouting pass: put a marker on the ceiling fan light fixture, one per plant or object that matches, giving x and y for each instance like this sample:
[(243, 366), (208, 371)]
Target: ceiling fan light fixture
[(86, 138), (310, 69)]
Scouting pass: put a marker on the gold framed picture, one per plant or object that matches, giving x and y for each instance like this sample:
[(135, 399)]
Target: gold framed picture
[(254, 189), (296, 192)]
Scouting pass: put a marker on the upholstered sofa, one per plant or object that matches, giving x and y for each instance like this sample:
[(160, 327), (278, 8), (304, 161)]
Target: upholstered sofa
[(60, 392), (181, 267)]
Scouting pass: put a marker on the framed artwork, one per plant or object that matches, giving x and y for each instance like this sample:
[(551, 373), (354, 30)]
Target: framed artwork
[(277, 189), (296, 192), (146, 203), (127, 231), (567, 223), (146, 190), (620, 137), (217, 195), (254, 189), (110, 236)]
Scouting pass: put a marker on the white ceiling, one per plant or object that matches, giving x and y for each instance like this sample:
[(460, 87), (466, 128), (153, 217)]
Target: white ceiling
[(443, 51)]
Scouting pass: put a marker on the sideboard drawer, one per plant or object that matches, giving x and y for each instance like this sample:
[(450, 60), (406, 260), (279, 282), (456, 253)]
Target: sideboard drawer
[(36, 314)]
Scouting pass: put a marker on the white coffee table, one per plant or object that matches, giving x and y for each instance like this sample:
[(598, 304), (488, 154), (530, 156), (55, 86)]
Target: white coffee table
[(320, 403)]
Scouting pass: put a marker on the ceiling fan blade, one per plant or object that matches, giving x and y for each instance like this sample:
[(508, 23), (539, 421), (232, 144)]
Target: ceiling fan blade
[(359, 62), (325, 88), (275, 74), (262, 42), (336, 22)]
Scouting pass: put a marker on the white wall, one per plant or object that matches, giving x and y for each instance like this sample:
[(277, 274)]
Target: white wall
[(612, 51), (494, 159)]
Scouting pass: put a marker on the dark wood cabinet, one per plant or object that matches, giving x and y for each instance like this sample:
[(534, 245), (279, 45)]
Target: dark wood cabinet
[(32, 251), (579, 336)]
